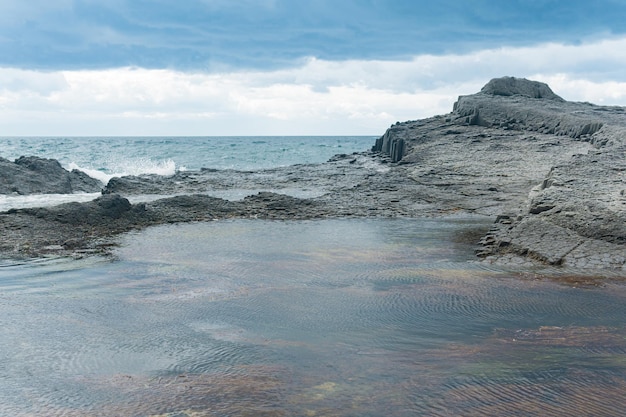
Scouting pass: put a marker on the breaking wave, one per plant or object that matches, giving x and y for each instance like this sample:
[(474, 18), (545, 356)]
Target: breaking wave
[(136, 166)]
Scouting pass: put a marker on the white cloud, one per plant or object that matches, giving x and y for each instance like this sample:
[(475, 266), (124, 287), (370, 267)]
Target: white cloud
[(316, 97), (604, 93)]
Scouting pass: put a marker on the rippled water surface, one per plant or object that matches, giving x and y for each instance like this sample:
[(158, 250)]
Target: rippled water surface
[(319, 318)]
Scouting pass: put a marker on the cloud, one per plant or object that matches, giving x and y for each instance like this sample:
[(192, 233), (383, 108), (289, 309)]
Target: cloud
[(102, 101), (315, 96), (603, 92)]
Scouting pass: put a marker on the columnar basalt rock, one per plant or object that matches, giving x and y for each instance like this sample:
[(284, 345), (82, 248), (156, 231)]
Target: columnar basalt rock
[(520, 104), (392, 143)]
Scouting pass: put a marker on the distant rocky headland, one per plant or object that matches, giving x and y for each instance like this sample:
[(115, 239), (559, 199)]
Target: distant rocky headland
[(549, 173)]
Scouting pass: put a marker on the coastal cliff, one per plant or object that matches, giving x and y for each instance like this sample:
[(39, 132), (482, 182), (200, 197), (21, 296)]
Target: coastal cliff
[(547, 172)]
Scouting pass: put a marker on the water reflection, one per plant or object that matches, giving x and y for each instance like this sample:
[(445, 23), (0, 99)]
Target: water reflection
[(320, 318)]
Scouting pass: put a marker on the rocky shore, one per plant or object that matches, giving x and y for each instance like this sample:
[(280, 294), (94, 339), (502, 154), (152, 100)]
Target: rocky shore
[(549, 173)]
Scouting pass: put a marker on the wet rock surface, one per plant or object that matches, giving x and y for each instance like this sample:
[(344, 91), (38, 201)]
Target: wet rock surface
[(550, 173)]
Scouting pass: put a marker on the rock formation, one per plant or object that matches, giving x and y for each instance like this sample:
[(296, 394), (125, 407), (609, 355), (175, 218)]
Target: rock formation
[(33, 175), (545, 114), (552, 171), (511, 86), (392, 143)]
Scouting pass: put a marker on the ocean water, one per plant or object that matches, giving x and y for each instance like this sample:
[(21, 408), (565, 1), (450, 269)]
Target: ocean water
[(375, 317), (104, 157)]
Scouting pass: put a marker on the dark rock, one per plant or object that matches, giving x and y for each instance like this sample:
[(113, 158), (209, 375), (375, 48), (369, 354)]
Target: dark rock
[(272, 205), (99, 212), (145, 184), (540, 208), (113, 206), (83, 183), (392, 142), (192, 208), (34, 175)]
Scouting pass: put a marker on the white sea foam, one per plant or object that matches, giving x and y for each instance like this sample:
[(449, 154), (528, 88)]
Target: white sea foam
[(137, 166), (8, 202)]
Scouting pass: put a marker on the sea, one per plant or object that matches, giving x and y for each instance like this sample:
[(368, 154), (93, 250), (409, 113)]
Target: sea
[(335, 317)]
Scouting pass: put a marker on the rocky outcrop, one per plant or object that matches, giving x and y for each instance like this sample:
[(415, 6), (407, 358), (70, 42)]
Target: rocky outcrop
[(576, 120), (71, 227), (520, 104), (511, 86), (551, 171), (392, 143), (99, 213), (511, 103), (33, 175)]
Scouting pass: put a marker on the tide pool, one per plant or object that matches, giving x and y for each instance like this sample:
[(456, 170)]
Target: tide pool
[(323, 318)]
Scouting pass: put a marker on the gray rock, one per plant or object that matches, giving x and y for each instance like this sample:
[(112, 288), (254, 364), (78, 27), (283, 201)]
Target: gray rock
[(582, 196), (511, 86), (553, 171), (101, 212), (392, 143), (518, 112), (33, 175)]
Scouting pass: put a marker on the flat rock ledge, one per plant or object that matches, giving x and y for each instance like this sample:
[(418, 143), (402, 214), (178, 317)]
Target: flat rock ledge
[(548, 173)]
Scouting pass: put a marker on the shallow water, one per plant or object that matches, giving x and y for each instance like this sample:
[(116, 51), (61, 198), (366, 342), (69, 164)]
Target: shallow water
[(316, 318)]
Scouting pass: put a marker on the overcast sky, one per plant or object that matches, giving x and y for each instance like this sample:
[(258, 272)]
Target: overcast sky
[(289, 67)]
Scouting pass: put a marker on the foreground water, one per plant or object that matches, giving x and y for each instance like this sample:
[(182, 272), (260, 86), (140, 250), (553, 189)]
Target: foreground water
[(316, 318)]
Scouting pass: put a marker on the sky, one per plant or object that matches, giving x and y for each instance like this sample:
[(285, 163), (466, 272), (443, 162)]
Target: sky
[(289, 67)]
